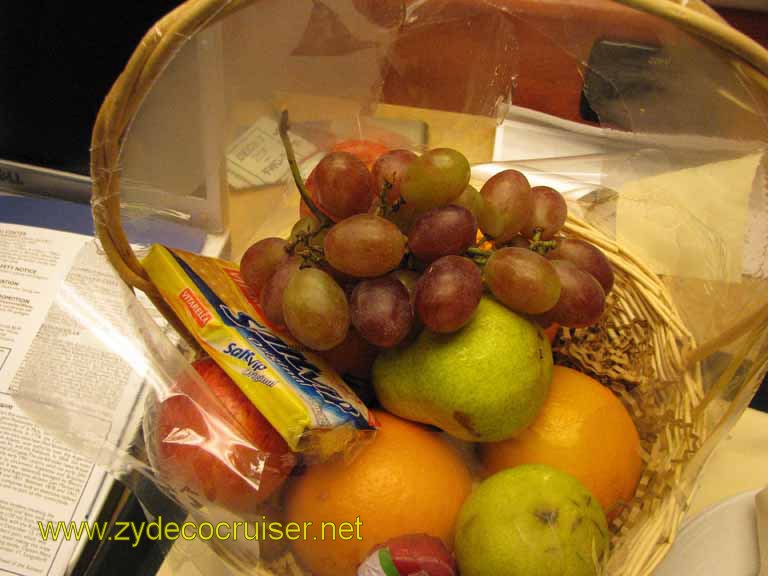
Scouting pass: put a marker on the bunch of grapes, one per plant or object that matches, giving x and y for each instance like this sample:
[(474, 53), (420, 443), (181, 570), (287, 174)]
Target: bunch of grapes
[(381, 253)]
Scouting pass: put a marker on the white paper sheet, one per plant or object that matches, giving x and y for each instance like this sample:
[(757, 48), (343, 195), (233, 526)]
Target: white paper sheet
[(46, 348)]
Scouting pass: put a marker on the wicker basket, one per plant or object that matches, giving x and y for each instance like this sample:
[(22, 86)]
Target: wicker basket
[(659, 377)]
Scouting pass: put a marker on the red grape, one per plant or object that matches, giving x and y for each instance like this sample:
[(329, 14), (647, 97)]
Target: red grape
[(448, 293), (548, 214), (380, 310), (404, 217), (507, 205), (315, 309), (442, 231), (343, 185), (409, 279), (364, 246), (522, 280), (518, 242), (586, 257), (353, 357), (435, 179), (391, 167), (261, 260), (582, 299), (271, 299), (311, 187)]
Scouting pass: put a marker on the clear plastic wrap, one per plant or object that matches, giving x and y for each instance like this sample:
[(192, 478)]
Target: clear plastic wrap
[(655, 136)]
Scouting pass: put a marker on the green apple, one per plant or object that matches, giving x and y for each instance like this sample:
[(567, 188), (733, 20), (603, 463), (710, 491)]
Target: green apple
[(531, 520)]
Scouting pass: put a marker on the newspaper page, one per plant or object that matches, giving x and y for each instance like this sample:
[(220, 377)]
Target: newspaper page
[(45, 343)]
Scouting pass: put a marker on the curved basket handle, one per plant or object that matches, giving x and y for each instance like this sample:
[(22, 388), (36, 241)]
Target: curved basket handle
[(161, 43), (149, 60), (711, 28)]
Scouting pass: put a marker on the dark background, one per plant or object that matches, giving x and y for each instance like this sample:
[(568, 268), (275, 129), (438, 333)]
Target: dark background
[(58, 59)]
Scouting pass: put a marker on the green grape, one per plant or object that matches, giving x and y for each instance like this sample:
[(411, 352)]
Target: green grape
[(315, 309), (319, 238), (271, 297), (364, 246), (522, 280), (470, 199), (407, 278), (435, 179), (303, 227)]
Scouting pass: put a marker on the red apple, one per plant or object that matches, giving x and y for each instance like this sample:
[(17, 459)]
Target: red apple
[(225, 453)]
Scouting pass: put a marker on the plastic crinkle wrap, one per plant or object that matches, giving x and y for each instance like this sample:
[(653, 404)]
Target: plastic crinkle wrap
[(648, 117)]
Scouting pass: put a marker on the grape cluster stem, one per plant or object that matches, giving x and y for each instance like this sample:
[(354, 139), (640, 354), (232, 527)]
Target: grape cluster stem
[(385, 210), (305, 195), (479, 256)]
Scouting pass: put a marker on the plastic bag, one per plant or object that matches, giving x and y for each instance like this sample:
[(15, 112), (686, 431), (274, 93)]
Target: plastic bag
[(655, 136)]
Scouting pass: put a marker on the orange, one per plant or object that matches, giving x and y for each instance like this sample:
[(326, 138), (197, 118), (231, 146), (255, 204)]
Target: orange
[(409, 480), (365, 150), (582, 429)]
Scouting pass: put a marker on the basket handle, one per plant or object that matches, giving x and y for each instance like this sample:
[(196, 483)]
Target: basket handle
[(710, 27), (161, 43), (149, 60)]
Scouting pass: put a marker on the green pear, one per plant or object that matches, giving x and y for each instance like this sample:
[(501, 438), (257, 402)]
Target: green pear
[(483, 383), (531, 520)]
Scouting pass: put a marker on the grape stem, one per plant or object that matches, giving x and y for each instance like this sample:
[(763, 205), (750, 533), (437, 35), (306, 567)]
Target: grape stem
[(305, 195), (479, 256), (310, 256), (479, 252), (385, 210), (541, 246), (302, 239)]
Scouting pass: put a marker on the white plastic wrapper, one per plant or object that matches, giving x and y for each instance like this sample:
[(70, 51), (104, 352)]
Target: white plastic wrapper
[(656, 138)]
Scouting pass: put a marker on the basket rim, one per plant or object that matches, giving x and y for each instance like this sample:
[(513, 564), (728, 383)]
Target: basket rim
[(168, 35)]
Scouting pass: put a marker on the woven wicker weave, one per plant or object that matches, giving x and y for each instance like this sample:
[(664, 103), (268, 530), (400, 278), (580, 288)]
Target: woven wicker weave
[(667, 400)]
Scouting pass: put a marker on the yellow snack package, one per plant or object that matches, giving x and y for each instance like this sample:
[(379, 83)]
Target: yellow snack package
[(296, 391)]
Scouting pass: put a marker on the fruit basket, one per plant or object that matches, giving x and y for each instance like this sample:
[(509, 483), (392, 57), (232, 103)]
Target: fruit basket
[(196, 115)]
